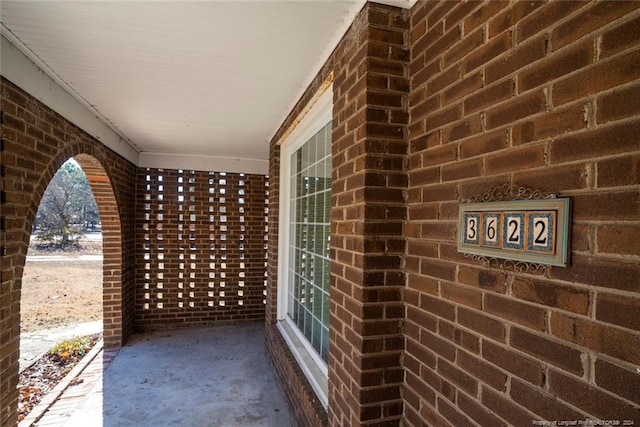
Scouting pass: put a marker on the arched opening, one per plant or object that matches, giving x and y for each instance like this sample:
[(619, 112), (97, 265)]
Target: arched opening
[(104, 195), (108, 278), (62, 279)]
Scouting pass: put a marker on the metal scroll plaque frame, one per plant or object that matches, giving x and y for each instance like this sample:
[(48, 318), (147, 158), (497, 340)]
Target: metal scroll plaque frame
[(515, 228)]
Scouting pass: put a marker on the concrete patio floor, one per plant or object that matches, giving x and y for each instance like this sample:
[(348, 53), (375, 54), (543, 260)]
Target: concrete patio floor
[(215, 376)]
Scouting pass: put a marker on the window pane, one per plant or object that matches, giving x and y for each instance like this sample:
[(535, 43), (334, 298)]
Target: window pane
[(310, 205)]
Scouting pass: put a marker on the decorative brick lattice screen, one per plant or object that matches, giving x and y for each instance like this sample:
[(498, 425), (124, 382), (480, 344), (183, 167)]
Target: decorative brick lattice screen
[(201, 247)]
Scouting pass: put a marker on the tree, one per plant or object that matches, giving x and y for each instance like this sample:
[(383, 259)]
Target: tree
[(67, 207)]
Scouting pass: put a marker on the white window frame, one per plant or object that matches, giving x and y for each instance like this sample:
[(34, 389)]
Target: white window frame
[(313, 366)]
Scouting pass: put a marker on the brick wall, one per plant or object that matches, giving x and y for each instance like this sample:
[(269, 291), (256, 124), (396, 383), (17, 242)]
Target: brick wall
[(35, 143), (368, 214), (541, 95), (368, 211), (200, 247), (535, 94)]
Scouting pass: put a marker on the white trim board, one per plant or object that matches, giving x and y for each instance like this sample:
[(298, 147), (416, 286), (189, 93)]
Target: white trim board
[(203, 163)]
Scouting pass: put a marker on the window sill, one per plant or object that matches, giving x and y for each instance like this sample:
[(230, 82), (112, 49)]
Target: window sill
[(315, 372)]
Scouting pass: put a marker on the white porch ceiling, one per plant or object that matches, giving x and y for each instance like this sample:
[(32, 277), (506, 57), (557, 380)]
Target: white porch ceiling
[(183, 79)]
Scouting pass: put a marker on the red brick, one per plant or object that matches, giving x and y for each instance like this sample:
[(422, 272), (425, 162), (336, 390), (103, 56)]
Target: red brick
[(430, 140), (472, 125), (425, 74), (554, 180), (423, 211), (459, 13), (437, 306), (477, 187), (618, 105), (417, 30), (438, 345), (540, 402), (439, 193), (442, 117), (552, 124), (482, 371), (449, 250), (439, 269), (461, 337), (516, 109), (462, 170), (506, 408), (510, 361), (464, 87), (483, 15), (424, 176), (482, 324), (619, 240), (550, 351), (439, 155), (452, 414), (382, 66), (620, 38), (483, 144), (478, 413), (439, 12), (469, 43), (438, 383), (615, 342), (621, 138), (462, 295), (589, 398), (386, 35), (443, 80), (449, 211), (515, 311), (512, 15), (421, 318), (619, 380), (481, 278), (489, 96), (540, 19), (619, 171), (384, 99), (377, 394), (604, 75), (433, 34), (423, 390), (516, 159), (441, 232), (597, 206), (556, 66), (513, 61), (443, 43), (581, 237), (13, 122), (422, 283), (495, 47), (551, 294), (621, 311), (608, 273), (589, 20)]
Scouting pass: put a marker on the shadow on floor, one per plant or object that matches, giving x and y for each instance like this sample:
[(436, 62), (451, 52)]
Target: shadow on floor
[(218, 376)]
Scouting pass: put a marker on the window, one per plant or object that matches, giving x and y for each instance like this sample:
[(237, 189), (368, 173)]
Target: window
[(304, 265), (309, 207)]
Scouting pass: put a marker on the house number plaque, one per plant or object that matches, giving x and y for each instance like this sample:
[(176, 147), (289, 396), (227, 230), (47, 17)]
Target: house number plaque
[(531, 231)]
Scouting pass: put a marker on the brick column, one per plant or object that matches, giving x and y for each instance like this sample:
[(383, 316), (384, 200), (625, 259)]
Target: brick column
[(368, 216)]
